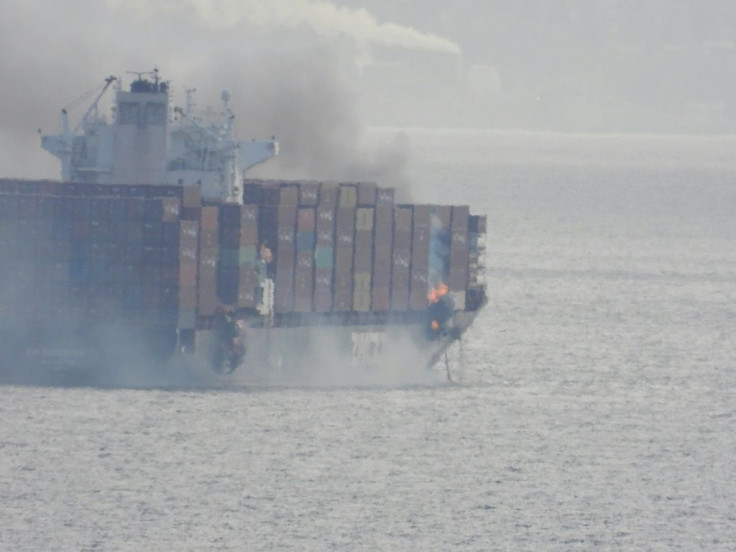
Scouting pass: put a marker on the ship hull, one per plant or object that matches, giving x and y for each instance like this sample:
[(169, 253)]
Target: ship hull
[(386, 354)]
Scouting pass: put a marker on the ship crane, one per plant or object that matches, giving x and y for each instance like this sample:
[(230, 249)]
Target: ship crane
[(84, 121), (62, 145)]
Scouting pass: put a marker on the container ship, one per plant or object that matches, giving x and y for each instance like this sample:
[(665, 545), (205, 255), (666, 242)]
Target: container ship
[(156, 243)]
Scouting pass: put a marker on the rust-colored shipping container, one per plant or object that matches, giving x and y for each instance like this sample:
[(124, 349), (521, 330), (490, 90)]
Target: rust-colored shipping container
[(421, 234), (323, 293), (304, 282)]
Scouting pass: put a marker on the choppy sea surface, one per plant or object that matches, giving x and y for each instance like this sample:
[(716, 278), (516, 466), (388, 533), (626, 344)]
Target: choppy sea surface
[(596, 408)]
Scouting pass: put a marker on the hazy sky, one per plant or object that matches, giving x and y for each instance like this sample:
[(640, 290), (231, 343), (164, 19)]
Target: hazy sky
[(314, 73)]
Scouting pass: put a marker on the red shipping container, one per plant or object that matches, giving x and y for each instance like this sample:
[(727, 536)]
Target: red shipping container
[(305, 219), (209, 217), (188, 275), (187, 254)]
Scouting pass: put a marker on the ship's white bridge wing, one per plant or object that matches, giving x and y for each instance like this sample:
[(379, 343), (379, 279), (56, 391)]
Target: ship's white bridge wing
[(253, 152)]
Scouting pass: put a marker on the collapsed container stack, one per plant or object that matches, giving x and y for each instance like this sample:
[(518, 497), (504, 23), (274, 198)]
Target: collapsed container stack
[(348, 248), (164, 256)]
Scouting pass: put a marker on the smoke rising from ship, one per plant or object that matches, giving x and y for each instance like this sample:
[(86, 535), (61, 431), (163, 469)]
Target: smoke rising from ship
[(291, 65), (324, 18)]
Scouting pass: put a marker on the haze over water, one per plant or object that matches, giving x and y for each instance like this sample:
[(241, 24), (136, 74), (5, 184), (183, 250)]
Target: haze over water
[(595, 410)]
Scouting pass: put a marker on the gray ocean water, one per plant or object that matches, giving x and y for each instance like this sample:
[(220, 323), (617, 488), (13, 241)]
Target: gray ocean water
[(596, 409)]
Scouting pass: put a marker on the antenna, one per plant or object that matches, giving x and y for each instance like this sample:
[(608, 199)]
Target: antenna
[(140, 74), (142, 85)]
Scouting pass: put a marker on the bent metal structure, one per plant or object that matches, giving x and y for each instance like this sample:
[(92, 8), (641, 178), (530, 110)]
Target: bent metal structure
[(154, 241)]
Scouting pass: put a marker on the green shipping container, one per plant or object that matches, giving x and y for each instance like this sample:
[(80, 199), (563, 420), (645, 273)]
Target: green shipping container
[(323, 256), (247, 256)]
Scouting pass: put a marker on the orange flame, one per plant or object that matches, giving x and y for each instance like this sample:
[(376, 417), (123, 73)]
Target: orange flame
[(437, 292)]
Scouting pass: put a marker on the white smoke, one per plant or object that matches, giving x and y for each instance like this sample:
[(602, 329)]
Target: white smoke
[(324, 18), (292, 66)]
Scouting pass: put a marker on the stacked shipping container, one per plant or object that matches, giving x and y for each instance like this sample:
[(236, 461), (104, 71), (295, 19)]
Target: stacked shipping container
[(401, 259), (239, 254), (324, 252), (78, 251), (286, 249), (209, 253), (382, 248), (345, 239), (459, 255), (421, 226), (160, 256)]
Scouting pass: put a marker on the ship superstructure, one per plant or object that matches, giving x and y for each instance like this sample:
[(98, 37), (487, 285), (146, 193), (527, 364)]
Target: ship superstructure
[(147, 140)]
